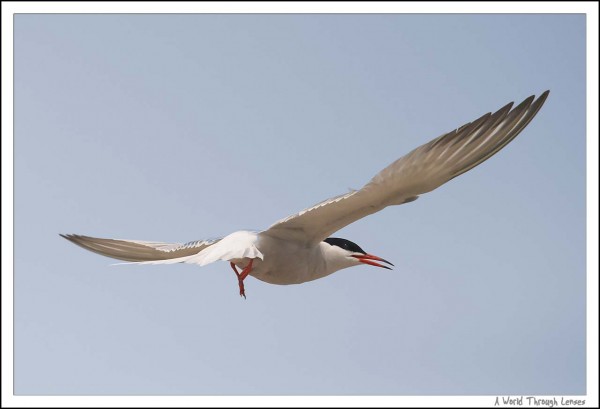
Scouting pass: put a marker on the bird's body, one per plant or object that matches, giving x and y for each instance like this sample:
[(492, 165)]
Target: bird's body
[(285, 262), (291, 262), (299, 248)]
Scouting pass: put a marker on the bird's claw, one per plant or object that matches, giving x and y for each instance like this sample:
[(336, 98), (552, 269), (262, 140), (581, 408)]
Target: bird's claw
[(242, 292)]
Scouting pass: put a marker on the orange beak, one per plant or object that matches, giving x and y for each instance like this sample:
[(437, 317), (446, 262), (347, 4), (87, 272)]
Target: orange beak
[(371, 260)]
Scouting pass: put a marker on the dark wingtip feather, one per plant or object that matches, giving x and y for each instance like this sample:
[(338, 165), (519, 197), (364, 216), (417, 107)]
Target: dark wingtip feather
[(506, 107), (70, 237), (526, 102), (544, 95)]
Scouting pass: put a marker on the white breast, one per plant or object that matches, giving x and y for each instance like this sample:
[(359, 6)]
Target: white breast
[(287, 261)]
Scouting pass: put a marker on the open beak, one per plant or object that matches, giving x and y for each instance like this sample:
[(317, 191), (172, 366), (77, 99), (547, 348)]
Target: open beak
[(372, 260)]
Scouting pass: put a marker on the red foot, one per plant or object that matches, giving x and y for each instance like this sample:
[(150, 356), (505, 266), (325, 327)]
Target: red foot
[(241, 276), (242, 292)]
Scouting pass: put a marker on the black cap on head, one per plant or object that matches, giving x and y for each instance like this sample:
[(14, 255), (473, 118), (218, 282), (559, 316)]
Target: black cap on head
[(345, 244)]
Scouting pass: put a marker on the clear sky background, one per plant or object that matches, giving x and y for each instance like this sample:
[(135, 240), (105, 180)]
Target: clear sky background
[(184, 127)]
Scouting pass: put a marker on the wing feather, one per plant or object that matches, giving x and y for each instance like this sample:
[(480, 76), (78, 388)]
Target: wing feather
[(420, 171), (137, 250)]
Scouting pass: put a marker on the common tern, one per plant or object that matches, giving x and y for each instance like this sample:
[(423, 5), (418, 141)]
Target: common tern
[(300, 248)]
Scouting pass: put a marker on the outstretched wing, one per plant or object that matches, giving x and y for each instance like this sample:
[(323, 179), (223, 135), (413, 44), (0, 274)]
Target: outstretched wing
[(422, 170), (140, 251)]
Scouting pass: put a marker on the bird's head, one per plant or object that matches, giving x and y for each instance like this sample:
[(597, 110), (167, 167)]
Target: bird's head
[(345, 253)]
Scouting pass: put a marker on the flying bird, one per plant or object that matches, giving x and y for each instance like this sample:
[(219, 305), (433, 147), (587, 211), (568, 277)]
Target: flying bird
[(300, 248)]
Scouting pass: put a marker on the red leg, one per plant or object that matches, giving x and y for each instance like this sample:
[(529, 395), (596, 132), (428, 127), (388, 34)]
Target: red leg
[(246, 270), (235, 269), (241, 276)]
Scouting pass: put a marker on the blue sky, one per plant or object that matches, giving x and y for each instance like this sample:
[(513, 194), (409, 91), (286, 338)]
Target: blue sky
[(184, 127)]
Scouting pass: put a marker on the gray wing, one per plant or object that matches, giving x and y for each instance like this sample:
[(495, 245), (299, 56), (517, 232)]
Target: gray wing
[(139, 251), (422, 170)]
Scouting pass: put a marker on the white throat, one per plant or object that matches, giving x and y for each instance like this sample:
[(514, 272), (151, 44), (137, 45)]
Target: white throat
[(336, 258)]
